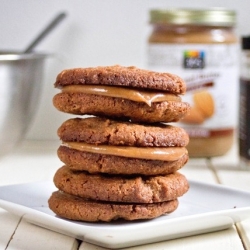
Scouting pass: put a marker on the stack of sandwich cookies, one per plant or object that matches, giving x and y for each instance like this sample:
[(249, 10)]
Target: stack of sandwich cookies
[(119, 166)]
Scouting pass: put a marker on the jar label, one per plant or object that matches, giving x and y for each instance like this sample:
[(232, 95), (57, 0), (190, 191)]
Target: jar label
[(211, 75)]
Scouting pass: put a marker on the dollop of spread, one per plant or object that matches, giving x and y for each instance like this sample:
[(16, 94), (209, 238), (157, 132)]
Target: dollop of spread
[(149, 153), (137, 95)]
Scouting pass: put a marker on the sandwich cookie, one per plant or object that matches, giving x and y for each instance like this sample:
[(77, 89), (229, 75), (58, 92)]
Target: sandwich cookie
[(92, 143), (127, 93)]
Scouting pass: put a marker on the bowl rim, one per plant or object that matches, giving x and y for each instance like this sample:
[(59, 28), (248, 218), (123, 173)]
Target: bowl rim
[(8, 55)]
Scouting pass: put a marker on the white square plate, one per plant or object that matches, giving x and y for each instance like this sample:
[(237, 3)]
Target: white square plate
[(205, 208)]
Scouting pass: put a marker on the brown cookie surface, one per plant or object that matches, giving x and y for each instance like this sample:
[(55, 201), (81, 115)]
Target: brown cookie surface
[(76, 208), (96, 130), (85, 104), (121, 76), (110, 164), (134, 189)]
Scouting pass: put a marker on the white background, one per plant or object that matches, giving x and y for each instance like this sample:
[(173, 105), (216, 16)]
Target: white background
[(95, 32)]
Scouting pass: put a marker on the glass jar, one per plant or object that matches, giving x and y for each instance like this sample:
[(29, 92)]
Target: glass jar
[(244, 114), (201, 47)]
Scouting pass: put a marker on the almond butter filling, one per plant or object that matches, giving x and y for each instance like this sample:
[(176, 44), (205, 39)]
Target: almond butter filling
[(149, 153), (131, 94)]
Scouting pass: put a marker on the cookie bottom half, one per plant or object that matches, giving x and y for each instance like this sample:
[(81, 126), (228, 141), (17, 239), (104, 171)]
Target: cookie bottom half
[(86, 104), (110, 164), (75, 208)]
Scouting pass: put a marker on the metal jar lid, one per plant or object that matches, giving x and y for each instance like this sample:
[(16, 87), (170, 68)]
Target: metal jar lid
[(211, 17)]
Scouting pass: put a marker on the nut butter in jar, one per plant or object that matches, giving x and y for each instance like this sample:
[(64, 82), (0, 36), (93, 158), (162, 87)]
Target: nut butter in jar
[(200, 46)]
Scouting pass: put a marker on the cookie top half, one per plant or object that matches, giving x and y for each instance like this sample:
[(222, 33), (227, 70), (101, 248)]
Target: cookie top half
[(119, 188), (97, 130), (121, 76)]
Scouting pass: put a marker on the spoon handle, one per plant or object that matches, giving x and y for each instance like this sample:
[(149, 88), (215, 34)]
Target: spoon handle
[(44, 33)]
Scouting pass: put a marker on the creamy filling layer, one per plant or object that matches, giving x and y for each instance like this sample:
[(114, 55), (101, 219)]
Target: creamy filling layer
[(149, 153), (131, 94)]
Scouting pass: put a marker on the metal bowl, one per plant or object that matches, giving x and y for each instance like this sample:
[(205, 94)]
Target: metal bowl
[(20, 87)]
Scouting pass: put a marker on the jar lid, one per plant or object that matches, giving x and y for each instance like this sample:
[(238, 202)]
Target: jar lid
[(213, 17)]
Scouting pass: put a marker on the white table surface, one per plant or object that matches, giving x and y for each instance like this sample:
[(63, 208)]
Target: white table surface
[(37, 161)]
